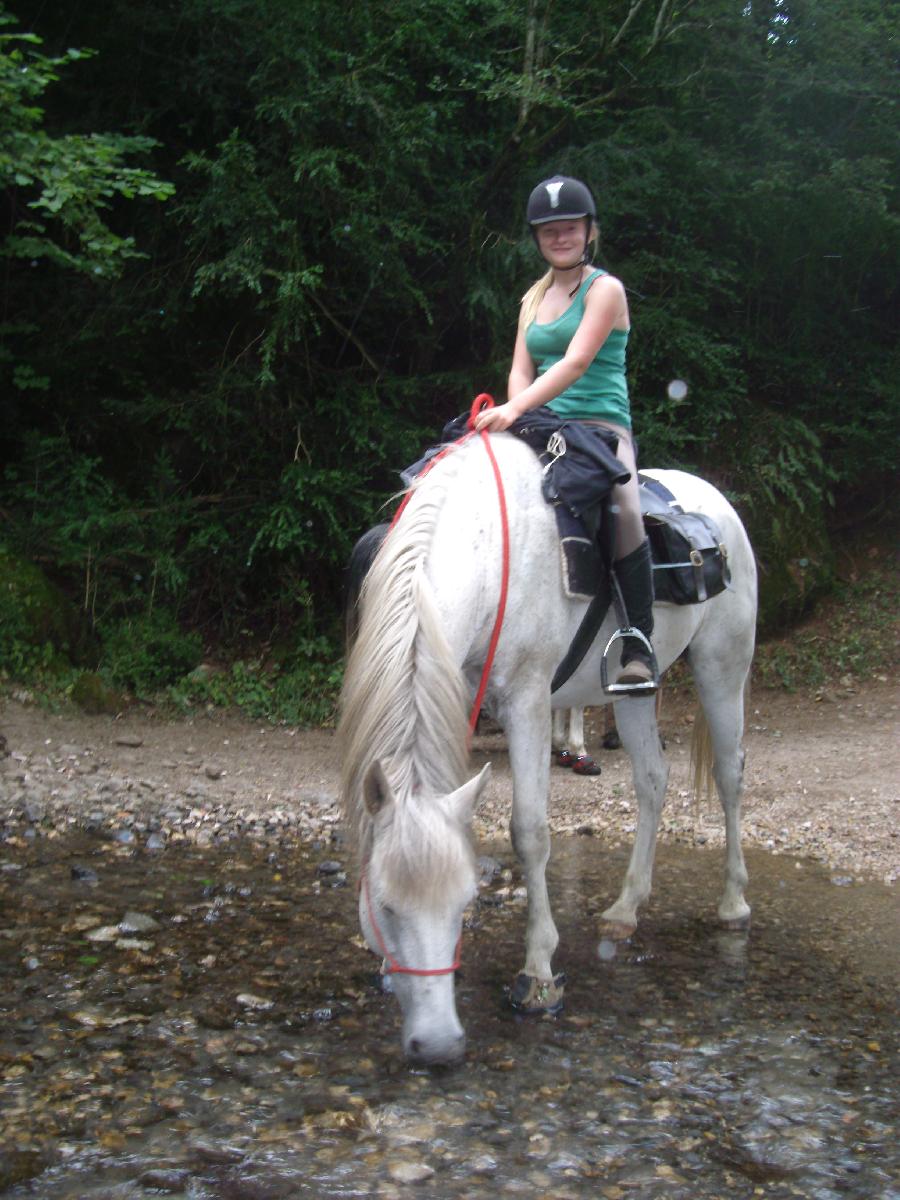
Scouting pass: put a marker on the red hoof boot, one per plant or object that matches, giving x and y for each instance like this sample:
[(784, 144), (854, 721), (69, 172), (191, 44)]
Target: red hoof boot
[(585, 765), (565, 758)]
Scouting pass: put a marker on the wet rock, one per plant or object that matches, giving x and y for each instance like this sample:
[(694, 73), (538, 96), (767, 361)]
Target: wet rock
[(254, 1003), (165, 1179), (483, 1164), (328, 867), (18, 1166), (136, 922), (218, 1017), (104, 933), (156, 841), (410, 1172), (216, 1153)]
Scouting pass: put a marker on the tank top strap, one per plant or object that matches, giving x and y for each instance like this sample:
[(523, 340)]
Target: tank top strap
[(583, 290)]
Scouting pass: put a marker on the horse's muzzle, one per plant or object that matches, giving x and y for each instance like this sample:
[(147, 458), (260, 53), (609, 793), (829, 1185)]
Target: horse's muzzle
[(435, 1050)]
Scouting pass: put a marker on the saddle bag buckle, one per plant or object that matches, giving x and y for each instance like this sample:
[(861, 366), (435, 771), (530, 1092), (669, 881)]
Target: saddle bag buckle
[(699, 578)]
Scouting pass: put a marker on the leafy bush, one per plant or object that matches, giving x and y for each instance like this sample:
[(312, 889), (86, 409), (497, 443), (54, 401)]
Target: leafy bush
[(303, 692), (38, 625), (146, 653), (852, 633)]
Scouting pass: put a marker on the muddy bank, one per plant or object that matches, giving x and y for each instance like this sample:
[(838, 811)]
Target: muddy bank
[(821, 779)]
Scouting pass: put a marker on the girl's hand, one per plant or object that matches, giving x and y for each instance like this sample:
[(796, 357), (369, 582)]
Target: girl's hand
[(496, 419)]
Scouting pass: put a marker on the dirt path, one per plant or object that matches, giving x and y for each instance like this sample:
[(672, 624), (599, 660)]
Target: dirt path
[(821, 778)]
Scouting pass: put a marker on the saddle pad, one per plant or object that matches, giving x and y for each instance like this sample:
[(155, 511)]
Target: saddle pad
[(582, 566)]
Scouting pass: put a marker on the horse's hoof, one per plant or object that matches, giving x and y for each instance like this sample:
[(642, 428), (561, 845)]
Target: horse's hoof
[(530, 995), (565, 758), (616, 931), (735, 924), (585, 765), (612, 741)]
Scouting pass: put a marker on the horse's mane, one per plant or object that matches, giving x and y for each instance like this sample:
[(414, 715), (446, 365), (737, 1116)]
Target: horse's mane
[(403, 700)]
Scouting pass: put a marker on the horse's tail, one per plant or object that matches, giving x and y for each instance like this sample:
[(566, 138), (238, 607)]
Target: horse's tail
[(702, 757), (701, 765)]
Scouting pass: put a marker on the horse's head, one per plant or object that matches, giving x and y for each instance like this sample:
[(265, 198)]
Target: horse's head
[(417, 880)]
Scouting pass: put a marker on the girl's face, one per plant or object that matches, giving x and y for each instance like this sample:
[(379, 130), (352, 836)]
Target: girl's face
[(562, 242)]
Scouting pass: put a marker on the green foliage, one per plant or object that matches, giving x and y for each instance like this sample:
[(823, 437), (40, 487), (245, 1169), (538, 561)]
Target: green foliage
[(148, 652), (854, 635), (209, 428), (65, 182), (91, 693), (39, 628), (302, 693)]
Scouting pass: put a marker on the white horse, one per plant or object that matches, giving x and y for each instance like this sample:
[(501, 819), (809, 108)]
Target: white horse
[(427, 611)]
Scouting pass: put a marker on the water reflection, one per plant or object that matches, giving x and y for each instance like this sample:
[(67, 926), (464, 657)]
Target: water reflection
[(241, 1050)]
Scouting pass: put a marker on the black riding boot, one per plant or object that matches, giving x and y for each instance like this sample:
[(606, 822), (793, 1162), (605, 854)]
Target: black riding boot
[(634, 573)]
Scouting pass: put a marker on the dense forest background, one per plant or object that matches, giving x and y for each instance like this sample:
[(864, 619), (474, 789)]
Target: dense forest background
[(255, 253)]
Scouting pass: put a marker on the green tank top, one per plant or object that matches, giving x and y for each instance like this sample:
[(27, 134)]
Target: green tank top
[(601, 393)]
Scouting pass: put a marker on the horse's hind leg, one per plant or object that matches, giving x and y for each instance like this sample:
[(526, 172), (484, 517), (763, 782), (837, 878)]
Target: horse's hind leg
[(723, 710), (636, 722)]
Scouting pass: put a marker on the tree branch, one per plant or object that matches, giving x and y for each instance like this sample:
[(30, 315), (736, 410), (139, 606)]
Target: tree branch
[(348, 333)]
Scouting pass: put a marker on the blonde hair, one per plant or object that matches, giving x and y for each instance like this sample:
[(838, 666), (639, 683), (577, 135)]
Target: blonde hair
[(531, 301)]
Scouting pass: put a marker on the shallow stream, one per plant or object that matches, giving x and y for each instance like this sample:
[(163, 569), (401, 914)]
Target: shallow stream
[(204, 1024)]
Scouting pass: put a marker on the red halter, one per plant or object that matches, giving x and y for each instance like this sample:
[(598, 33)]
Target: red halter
[(391, 966)]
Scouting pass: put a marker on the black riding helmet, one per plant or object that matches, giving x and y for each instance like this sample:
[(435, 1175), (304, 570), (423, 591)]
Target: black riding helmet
[(562, 198)]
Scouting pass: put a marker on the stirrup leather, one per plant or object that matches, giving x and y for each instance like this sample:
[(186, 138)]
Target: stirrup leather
[(632, 689)]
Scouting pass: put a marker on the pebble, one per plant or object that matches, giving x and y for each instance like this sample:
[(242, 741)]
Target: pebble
[(164, 1180), (329, 867), (103, 933), (254, 1003), (410, 1172), (83, 874), (135, 922), (129, 739)]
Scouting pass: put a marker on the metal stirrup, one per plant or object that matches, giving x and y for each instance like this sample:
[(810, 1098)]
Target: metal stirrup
[(634, 689)]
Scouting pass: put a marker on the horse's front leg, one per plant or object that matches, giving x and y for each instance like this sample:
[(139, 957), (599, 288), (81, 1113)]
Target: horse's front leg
[(636, 722), (536, 989)]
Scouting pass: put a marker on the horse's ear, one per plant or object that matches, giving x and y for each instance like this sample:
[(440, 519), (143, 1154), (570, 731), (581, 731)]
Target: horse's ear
[(463, 801), (377, 792)]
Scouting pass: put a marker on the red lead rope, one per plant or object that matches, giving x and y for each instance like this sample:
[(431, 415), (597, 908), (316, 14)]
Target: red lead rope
[(391, 965), (480, 402)]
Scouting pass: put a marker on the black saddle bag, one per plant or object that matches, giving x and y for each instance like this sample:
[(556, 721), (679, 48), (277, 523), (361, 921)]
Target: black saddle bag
[(690, 560)]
